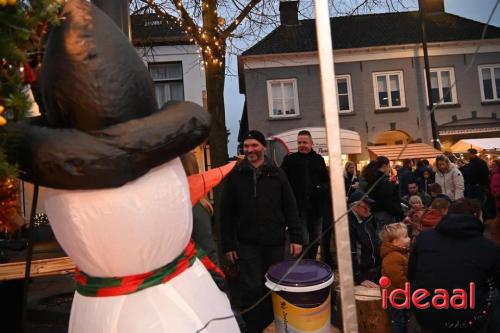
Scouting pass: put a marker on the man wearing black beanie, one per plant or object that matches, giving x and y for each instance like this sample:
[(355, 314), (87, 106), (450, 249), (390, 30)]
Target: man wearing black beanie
[(256, 208)]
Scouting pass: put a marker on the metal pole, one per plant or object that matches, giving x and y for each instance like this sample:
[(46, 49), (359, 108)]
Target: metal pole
[(29, 257), (435, 135), (330, 111), (118, 11)]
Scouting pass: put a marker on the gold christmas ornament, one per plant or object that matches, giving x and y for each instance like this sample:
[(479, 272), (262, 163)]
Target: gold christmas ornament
[(11, 2), (10, 219), (3, 121)]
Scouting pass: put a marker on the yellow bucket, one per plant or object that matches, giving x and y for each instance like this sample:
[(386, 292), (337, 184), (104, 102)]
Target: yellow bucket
[(301, 298)]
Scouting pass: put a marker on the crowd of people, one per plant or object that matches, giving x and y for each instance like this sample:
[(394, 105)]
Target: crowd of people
[(424, 226)]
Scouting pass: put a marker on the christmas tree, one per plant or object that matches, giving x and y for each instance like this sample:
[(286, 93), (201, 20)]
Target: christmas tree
[(23, 26)]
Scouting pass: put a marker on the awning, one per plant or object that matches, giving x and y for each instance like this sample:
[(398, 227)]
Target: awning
[(490, 144), (411, 151)]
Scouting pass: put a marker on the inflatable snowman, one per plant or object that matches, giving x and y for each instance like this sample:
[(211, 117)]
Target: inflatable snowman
[(118, 198)]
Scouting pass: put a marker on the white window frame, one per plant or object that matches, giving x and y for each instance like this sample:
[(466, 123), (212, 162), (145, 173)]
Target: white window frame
[(167, 81), (454, 99), (347, 77), (270, 97), (401, 87), (492, 72)]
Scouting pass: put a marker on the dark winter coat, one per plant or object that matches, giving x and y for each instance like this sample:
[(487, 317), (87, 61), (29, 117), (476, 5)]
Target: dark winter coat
[(350, 181), (419, 173), (365, 247), (386, 196), (451, 256), (424, 183), (476, 178), (405, 175), (256, 207), (495, 185), (308, 177), (477, 173)]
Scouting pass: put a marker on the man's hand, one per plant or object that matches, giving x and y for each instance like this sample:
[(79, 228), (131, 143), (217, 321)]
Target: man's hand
[(295, 249), (231, 256), (369, 284)]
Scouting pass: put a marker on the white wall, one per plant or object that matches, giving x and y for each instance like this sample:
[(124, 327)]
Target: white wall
[(193, 76)]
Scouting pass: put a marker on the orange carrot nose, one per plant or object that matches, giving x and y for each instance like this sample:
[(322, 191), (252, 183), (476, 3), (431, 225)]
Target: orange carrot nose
[(200, 184)]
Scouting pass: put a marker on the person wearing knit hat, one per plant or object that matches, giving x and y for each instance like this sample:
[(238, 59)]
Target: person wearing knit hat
[(256, 135), (257, 206)]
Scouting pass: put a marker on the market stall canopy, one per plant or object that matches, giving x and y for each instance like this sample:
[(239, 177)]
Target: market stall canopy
[(349, 140), (489, 144), (410, 151)]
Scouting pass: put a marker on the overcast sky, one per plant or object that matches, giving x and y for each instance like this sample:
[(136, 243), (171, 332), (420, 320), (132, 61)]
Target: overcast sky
[(478, 10)]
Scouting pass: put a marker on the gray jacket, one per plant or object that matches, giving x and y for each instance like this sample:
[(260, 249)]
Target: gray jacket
[(452, 182)]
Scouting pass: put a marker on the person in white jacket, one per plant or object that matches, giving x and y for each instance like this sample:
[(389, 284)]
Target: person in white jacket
[(449, 177)]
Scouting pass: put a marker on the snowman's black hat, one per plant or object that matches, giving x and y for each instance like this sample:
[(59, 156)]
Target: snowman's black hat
[(102, 127)]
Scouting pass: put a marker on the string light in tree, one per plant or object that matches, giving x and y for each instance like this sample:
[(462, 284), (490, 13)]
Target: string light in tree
[(40, 220), (3, 121), (4, 3)]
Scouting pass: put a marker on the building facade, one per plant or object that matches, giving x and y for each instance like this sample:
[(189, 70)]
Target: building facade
[(172, 59), (381, 86), (174, 63)]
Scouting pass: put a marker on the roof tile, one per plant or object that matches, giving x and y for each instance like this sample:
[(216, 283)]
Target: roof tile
[(358, 31)]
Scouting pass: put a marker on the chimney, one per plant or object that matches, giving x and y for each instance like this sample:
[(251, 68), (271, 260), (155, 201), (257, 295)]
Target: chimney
[(289, 12), (433, 6)]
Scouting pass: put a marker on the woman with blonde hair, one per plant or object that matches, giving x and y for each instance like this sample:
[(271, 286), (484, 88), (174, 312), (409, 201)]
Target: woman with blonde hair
[(351, 181)]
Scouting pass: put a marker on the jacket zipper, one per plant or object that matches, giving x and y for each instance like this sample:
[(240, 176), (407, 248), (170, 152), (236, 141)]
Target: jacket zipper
[(255, 184)]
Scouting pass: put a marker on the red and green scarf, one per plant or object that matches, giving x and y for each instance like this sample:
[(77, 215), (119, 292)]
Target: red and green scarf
[(115, 286)]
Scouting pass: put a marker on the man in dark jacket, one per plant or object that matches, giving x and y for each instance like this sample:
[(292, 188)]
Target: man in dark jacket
[(476, 177), (307, 174), (450, 257), (365, 243), (257, 207), (405, 175), (414, 190), (387, 206)]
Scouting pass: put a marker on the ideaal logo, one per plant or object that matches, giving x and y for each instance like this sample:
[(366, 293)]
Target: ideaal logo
[(440, 298)]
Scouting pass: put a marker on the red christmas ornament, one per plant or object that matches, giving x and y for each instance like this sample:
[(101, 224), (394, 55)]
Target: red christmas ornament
[(29, 74)]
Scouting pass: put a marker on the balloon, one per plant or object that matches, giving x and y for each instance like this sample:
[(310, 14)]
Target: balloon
[(135, 229)]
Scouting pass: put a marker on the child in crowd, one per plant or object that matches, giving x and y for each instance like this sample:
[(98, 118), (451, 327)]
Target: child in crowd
[(425, 182), (437, 192), (414, 215), (434, 215), (395, 253)]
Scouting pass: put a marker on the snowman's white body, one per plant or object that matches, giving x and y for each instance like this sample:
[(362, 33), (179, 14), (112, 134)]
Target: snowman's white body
[(134, 229)]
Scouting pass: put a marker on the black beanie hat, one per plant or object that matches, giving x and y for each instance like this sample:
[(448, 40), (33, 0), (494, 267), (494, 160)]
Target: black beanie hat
[(256, 135)]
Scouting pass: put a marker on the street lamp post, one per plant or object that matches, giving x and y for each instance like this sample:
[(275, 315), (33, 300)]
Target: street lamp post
[(435, 135)]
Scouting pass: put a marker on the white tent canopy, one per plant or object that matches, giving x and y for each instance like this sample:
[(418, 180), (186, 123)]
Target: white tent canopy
[(349, 140), (490, 144)]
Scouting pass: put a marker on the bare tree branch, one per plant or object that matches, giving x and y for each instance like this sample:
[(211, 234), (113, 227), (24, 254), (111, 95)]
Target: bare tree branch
[(243, 14), (184, 17)]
